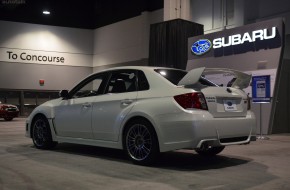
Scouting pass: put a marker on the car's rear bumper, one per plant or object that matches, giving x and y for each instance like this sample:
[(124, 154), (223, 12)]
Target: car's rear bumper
[(193, 129)]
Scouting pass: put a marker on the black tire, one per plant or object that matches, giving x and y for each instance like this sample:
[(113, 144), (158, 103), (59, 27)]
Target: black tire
[(41, 134), (8, 118), (140, 142), (210, 151)]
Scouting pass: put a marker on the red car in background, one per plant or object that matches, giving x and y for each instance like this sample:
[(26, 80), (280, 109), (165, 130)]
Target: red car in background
[(8, 111)]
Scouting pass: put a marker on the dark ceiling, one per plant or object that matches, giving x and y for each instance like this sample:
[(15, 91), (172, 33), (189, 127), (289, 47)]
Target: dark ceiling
[(88, 14)]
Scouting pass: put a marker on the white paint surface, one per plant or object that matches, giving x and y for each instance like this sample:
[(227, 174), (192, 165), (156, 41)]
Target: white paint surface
[(124, 41)]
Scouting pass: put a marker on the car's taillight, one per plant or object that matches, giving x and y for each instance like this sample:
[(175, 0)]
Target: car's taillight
[(191, 100)]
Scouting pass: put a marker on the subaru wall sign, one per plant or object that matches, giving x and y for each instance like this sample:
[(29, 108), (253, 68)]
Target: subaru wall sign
[(238, 39), (241, 39), (201, 46)]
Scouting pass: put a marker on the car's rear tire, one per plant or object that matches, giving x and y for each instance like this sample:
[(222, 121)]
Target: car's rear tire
[(140, 142), (41, 134), (212, 151), (8, 118)]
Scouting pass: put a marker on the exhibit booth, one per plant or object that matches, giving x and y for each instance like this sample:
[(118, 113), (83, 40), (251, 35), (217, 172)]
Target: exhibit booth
[(256, 49)]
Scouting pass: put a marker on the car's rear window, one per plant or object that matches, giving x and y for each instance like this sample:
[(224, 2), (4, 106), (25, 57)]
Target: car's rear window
[(174, 76)]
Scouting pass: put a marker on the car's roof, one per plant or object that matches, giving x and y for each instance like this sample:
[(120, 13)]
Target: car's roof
[(143, 68)]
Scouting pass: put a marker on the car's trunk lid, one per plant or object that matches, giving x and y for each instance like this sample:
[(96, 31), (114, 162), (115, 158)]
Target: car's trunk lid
[(225, 101)]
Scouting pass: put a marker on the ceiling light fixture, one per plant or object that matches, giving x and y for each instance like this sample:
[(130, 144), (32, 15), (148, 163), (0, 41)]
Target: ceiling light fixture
[(46, 12)]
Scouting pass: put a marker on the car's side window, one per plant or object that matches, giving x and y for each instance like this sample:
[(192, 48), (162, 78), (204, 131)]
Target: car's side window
[(122, 81), (92, 87), (142, 82)]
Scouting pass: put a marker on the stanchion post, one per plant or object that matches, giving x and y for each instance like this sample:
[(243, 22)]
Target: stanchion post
[(261, 137)]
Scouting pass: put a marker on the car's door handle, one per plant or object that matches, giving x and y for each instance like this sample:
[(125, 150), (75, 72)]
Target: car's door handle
[(126, 102), (87, 105)]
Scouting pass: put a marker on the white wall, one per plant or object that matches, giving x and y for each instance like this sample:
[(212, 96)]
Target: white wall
[(259, 10), (124, 41), (202, 13), (74, 44), (216, 15)]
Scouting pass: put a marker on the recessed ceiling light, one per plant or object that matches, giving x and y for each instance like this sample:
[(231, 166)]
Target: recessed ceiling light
[(46, 12)]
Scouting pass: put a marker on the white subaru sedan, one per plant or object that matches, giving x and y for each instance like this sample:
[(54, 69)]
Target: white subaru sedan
[(147, 110)]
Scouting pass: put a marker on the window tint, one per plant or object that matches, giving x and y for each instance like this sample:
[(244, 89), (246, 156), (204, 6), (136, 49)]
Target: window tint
[(90, 88), (122, 81), (174, 76), (142, 81)]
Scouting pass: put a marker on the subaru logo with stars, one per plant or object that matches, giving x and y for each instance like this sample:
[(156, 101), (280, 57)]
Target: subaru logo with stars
[(201, 46), (229, 103)]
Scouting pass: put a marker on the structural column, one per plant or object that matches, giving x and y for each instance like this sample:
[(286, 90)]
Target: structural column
[(174, 9)]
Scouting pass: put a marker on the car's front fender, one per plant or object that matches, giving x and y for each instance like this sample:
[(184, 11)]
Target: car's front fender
[(46, 109)]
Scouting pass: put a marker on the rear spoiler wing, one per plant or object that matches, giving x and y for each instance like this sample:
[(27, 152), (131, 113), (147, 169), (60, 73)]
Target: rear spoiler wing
[(192, 77)]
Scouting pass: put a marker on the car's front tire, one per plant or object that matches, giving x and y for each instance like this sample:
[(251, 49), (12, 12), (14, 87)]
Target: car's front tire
[(41, 134), (140, 142), (212, 151)]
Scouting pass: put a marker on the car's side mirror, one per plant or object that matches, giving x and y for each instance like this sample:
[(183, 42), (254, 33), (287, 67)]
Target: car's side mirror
[(64, 94)]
